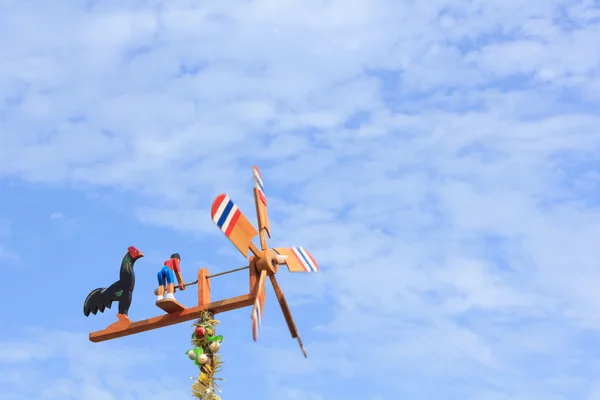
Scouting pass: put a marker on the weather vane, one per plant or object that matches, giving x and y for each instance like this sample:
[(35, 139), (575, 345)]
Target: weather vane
[(263, 263)]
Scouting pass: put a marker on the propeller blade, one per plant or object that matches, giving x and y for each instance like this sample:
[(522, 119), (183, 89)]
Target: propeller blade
[(259, 305), (287, 314), (298, 259), (226, 215), (261, 208)]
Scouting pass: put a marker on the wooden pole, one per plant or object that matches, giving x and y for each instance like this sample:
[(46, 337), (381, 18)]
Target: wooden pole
[(253, 277), (203, 287)]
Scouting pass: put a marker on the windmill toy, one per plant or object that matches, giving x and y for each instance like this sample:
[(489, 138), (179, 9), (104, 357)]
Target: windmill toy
[(263, 263), (266, 261)]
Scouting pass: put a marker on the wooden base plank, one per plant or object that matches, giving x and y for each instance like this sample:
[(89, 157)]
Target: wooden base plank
[(170, 306), (161, 321)]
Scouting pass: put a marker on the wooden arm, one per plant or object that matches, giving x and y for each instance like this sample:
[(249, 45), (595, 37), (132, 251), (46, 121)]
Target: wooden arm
[(171, 319)]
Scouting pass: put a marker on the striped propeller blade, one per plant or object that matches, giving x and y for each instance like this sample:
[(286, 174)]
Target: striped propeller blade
[(287, 314), (260, 186), (298, 259), (259, 304), (226, 215), (261, 208)]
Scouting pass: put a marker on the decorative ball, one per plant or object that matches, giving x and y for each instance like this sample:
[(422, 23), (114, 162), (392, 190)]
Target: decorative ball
[(202, 358), (191, 355), (200, 331), (214, 346)]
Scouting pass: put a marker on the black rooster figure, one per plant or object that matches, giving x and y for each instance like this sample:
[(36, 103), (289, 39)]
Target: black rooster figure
[(121, 291)]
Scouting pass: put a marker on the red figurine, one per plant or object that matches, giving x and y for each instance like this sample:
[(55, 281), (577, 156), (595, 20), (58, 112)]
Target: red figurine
[(166, 277)]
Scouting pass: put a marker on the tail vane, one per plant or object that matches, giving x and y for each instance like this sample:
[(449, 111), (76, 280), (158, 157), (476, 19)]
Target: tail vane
[(298, 259), (259, 304), (226, 215)]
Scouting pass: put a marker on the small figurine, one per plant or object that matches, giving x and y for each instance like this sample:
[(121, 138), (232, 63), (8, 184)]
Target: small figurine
[(166, 278), (121, 291)]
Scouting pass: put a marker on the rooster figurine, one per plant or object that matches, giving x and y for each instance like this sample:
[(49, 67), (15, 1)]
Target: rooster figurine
[(121, 291)]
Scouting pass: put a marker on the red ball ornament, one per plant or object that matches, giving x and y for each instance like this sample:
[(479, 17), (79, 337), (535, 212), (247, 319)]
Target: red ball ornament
[(200, 331)]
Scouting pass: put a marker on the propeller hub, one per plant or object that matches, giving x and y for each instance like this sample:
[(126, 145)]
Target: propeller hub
[(268, 262)]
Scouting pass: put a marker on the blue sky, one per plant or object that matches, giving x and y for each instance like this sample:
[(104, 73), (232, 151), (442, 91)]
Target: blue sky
[(439, 159)]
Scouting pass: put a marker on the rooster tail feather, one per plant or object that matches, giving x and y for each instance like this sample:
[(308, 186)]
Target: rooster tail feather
[(90, 301), (99, 300)]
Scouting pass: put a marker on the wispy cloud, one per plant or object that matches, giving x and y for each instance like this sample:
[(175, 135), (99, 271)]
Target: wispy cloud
[(93, 375), (56, 215)]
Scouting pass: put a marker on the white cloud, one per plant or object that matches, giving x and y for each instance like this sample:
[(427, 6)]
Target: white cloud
[(93, 374)]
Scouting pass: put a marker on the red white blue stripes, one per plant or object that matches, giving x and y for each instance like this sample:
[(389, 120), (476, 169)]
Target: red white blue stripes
[(306, 260), (225, 214), (259, 185)]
